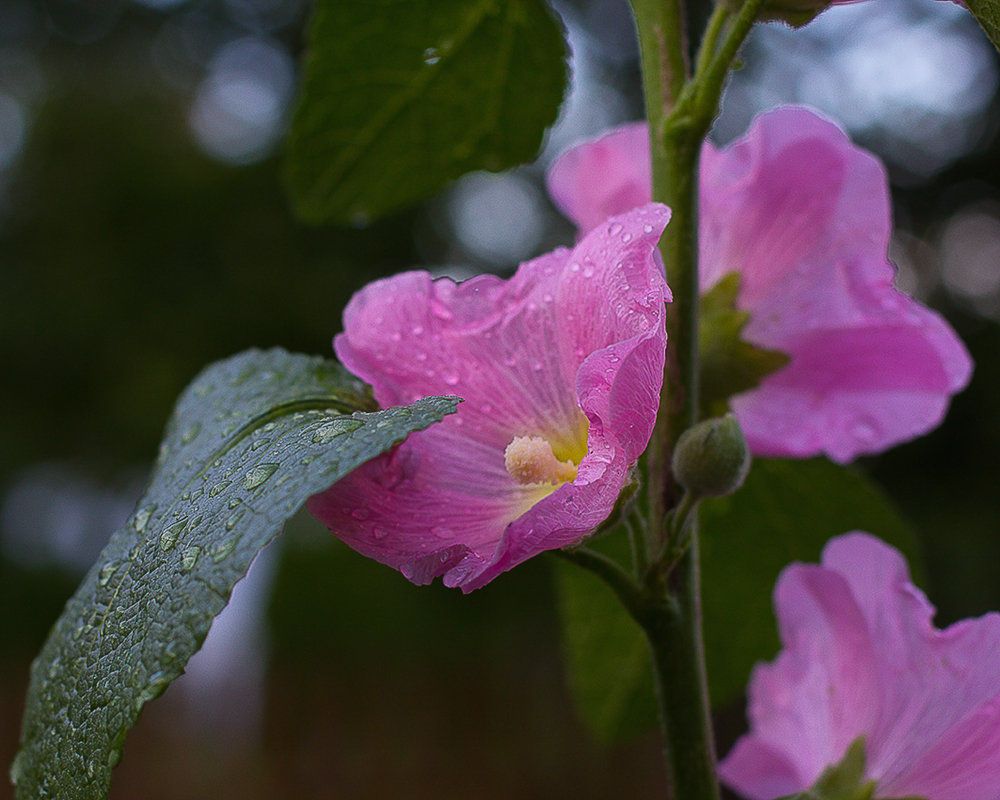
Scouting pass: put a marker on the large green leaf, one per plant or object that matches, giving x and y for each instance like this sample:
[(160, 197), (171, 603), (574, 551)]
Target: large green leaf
[(786, 511), (401, 96), (250, 439), (987, 12)]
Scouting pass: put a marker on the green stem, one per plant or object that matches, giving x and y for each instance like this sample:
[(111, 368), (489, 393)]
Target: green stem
[(671, 619), (680, 112)]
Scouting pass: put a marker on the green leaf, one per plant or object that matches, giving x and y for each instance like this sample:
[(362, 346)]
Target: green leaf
[(786, 511), (728, 365), (607, 658), (250, 440), (400, 97), (987, 13), (842, 781)]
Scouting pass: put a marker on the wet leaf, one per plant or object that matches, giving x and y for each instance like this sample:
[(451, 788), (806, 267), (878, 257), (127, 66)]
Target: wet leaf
[(250, 440), (401, 97)]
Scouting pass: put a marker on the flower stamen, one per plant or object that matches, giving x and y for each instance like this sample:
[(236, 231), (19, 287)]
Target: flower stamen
[(529, 459)]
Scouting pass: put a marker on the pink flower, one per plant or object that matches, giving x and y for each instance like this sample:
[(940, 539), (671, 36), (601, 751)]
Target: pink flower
[(862, 658), (803, 216), (560, 369)]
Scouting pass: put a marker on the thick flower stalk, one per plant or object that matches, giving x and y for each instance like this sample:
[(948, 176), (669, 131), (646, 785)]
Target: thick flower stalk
[(803, 217), (560, 369), (861, 657)]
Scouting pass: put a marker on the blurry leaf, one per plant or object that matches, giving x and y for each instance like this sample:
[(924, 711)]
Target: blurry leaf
[(250, 440), (844, 780), (401, 97), (729, 365), (987, 12), (786, 511), (606, 652)]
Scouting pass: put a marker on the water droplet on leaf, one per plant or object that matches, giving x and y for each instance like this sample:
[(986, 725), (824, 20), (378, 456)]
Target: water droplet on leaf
[(258, 475)]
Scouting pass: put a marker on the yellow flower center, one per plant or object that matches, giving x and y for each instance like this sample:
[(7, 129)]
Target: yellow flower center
[(530, 460)]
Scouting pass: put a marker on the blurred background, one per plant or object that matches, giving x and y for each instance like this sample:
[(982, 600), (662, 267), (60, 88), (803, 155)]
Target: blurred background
[(144, 233)]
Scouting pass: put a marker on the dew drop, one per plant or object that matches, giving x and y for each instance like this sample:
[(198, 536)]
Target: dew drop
[(307, 460), (334, 428), (451, 379), (864, 430), (225, 547), (170, 534), (258, 475), (361, 513), (647, 228), (234, 520), (259, 444), (107, 572), (615, 228), (626, 237), (547, 298), (431, 56), (190, 558), (588, 271), (417, 330), (574, 267), (142, 518), (396, 336), (219, 487), (379, 533), (191, 433)]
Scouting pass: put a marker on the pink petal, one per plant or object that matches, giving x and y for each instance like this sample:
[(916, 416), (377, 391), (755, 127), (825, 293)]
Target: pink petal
[(803, 215), (574, 341), (603, 177), (861, 657)]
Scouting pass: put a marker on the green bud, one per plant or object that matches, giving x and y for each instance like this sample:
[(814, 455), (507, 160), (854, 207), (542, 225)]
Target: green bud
[(711, 459)]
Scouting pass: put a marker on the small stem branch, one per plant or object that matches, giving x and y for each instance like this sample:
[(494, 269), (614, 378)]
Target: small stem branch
[(609, 571)]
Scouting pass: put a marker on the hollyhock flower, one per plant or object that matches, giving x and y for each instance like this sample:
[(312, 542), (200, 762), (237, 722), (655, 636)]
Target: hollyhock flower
[(803, 216), (560, 369), (861, 657)]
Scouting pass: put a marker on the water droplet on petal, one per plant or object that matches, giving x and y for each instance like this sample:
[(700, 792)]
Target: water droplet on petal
[(574, 267), (588, 271), (647, 228), (361, 513), (615, 228), (626, 237), (451, 379), (379, 533), (417, 330), (431, 56)]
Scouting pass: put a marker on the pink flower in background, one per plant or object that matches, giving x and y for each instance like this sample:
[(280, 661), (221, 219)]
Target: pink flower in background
[(803, 215), (560, 369), (861, 657)]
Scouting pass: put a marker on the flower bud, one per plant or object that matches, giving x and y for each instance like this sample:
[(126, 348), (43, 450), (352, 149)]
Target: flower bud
[(711, 459)]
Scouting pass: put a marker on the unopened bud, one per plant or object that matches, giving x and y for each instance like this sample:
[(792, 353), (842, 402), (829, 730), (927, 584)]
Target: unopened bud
[(711, 459)]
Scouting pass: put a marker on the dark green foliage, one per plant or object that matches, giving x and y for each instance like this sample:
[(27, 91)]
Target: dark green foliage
[(250, 440), (987, 12), (400, 97), (786, 511)]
